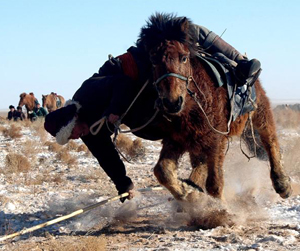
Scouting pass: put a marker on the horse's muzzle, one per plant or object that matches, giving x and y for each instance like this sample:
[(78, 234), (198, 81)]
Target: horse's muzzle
[(172, 107)]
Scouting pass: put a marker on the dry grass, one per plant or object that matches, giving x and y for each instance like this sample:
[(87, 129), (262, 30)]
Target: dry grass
[(53, 146), (137, 150), (133, 149), (16, 163), (30, 148), (3, 200), (291, 158), (26, 123), (2, 128), (95, 175), (65, 243), (287, 118), (13, 131), (84, 148), (43, 178), (39, 130), (66, 157), (72, 145)]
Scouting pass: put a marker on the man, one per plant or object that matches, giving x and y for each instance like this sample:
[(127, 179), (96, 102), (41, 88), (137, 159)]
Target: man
[(19, 114), (12, 113), (97, 97), (109, 93), (39, 111)]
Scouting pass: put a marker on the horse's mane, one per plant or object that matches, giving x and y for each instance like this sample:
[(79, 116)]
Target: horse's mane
[(161, 27)]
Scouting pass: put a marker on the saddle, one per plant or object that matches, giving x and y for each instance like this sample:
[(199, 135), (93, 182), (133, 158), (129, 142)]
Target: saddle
[(221, 69), (58, 101)]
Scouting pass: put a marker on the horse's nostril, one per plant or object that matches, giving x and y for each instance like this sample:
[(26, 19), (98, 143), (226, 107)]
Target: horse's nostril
[(180, 101), (173, 107)]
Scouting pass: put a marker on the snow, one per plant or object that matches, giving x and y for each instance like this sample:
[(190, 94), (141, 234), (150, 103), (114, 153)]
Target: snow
[(263, 221)]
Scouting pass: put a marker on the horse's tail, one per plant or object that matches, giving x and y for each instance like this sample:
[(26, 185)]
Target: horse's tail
[(254, 144)]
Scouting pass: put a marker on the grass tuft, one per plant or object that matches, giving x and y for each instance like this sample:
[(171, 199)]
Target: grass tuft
[(16, 163), (13, 132)]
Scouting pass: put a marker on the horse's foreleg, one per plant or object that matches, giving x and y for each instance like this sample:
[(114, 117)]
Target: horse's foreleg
[(166, 172), (264, 123)]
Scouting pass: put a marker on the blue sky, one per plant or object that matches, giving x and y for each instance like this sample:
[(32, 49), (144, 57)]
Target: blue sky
[(52, 45)]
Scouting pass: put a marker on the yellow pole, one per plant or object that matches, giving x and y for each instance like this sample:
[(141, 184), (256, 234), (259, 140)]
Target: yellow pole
[(73, 214)]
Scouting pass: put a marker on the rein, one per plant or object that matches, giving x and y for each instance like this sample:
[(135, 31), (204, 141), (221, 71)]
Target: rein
[(95, 128), (196, 99)]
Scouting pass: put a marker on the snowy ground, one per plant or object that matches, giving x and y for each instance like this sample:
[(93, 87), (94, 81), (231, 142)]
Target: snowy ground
[(56, 184)]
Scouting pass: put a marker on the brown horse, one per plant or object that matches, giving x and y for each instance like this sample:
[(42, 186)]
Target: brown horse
[(29, 100), (53, 101), (199, 112)]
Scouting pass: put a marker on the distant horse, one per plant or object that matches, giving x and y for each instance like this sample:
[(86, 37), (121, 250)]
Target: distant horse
[(53, 101), (30, 102), (199, 123)]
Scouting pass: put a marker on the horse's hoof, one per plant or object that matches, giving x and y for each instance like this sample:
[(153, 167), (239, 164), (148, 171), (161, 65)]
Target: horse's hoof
[(287, 193), (285, 190), (212, 219)]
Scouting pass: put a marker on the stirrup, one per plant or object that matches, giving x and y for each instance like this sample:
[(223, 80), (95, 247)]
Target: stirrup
[(250, 81)]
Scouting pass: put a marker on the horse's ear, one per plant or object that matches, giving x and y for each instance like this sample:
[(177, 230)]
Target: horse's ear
[(185, 24), (22, 95), (31, 93), (43, 95)]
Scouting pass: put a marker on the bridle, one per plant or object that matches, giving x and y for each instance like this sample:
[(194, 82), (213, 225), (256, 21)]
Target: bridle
[(186, 79), (194, 96)]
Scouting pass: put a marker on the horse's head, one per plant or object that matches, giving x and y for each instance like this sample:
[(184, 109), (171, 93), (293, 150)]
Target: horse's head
[(27, 100), (44, 100), (49, 102), (22, 99), (171, 72), (170, 43)]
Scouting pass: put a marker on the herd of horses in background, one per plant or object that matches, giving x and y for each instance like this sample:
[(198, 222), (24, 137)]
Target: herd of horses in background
[(51, 101)]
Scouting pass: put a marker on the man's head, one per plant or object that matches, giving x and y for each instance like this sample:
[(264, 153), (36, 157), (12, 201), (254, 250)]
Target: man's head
[(11, 107), (19, 108), (64, 124)]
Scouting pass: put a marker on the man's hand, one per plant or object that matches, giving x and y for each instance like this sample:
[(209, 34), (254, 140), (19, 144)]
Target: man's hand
[(112, 118), (128, 189)]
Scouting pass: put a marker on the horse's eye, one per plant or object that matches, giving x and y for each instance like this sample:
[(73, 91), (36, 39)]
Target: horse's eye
[(184, 59)]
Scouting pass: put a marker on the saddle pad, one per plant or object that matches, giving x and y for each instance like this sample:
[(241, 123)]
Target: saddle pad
[(244, 97), (58, 102)]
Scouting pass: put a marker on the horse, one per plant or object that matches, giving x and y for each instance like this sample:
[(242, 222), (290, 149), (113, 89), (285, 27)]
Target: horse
[(199, 112), (53, 101), (30, 102)]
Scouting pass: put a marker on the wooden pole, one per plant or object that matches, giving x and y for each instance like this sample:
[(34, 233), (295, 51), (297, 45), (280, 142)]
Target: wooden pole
[(75, 213)]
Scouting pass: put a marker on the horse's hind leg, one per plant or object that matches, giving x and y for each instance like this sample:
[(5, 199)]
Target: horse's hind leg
[(166, 172), (263, 122), (215, 178), (198, 175)]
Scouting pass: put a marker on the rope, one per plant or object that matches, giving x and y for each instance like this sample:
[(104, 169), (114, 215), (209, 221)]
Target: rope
[(194, 96), (75, 213), (96, 127), (249, 122)]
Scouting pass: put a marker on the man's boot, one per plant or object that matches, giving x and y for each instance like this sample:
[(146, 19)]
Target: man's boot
[(246, 71)]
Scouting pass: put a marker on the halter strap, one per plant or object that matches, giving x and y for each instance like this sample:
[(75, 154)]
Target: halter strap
[(170, 75)]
